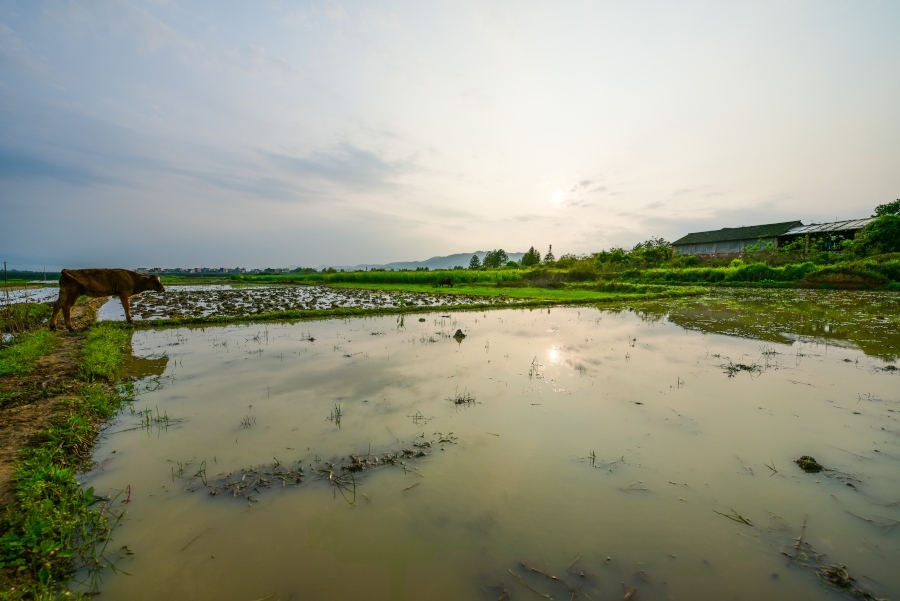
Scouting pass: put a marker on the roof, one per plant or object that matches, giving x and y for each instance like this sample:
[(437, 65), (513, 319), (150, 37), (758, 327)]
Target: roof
[(751, 232), (836, 226)]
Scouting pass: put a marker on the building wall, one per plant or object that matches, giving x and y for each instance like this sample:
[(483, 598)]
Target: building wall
[(726, 247)]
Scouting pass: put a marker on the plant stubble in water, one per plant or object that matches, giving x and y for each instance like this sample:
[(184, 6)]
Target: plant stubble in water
[(600, 436)]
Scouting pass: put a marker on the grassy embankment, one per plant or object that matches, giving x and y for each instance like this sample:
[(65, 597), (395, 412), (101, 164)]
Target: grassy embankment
[(53, 526), (879, 272)]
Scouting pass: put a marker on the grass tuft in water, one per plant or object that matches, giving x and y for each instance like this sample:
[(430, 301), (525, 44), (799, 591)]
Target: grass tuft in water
[(462, 398)]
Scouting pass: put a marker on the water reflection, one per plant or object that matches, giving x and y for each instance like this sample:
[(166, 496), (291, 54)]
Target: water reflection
[(601, 448), (868, 321)]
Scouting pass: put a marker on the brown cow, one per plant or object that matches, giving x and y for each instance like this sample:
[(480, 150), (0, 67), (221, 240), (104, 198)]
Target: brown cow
[(98, 283), (446, 282)]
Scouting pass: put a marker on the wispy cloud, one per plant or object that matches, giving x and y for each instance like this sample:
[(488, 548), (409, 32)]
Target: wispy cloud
[(15, 55), (17, 164), (348, 165)]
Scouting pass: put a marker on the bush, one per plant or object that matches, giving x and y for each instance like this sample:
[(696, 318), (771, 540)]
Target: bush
[(545, 278), (21, 317), (582, 271), (686, 261), (846, 276), (880, 236)]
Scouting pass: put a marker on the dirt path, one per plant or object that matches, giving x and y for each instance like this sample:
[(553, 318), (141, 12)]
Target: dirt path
[(36, 396)]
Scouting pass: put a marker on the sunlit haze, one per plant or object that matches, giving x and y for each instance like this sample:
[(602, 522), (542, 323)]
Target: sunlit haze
[(139, 134)]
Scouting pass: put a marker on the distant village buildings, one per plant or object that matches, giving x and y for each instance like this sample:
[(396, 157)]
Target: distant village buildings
[(196, 270), (733, 240)]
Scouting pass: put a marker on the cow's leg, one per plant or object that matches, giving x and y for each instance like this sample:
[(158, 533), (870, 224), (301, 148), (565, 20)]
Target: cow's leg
[(57, 307), (67, 311), (126, 306)]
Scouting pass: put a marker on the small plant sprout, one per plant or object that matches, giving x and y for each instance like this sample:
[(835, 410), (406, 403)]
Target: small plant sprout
[(462, 398)]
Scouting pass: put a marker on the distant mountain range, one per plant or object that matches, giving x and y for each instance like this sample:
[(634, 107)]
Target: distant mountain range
[(448, 262)]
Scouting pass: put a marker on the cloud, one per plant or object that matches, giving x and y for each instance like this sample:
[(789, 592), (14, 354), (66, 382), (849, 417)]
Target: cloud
[(303, 18), (580, 185), (350, 165), (14, 164), (14, 54), (255, 60)]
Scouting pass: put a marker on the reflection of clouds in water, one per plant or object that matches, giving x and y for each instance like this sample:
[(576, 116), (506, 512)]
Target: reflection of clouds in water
[(554, 355)]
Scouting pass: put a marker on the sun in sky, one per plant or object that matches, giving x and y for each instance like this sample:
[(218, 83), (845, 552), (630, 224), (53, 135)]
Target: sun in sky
[(559, 195)]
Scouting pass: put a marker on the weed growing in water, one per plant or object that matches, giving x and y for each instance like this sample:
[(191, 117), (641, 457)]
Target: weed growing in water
[(161, 421), (534, 371), (336, 415), (735, 516), (462, 398), (732, 369)]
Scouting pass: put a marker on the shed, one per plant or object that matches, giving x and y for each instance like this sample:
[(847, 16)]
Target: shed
[(836, 227), (732, 240)]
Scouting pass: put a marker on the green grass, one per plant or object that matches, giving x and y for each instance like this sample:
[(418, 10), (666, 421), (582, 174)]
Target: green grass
[(866, 273), (431, 278), (103, 352), (55, 527), (585, 293), (20, 357), (20, 317)]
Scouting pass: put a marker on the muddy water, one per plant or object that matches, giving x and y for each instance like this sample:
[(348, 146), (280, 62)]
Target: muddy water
[(224, 300), (602, 448), (32, 294)]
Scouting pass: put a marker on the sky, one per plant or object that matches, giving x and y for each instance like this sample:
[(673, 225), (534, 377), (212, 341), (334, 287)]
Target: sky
[(272, 134)]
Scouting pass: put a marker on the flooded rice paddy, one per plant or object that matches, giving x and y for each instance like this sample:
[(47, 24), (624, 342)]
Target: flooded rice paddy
[(30, 294), (569, 453), (224, 300)]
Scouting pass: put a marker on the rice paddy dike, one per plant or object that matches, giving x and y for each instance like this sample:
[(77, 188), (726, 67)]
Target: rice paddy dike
[(739, 443)]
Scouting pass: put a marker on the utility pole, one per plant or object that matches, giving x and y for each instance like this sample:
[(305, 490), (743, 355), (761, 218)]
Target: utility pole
[(6, 290)]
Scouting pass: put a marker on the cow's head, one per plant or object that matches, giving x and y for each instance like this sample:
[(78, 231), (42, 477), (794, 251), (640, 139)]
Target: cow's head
[(155, 283)]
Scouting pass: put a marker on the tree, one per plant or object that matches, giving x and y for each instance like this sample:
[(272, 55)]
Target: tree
[(549, 258), (890, 208), (880, 236), (653, 252), (495, 258), (531, 258), (475, 263)]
